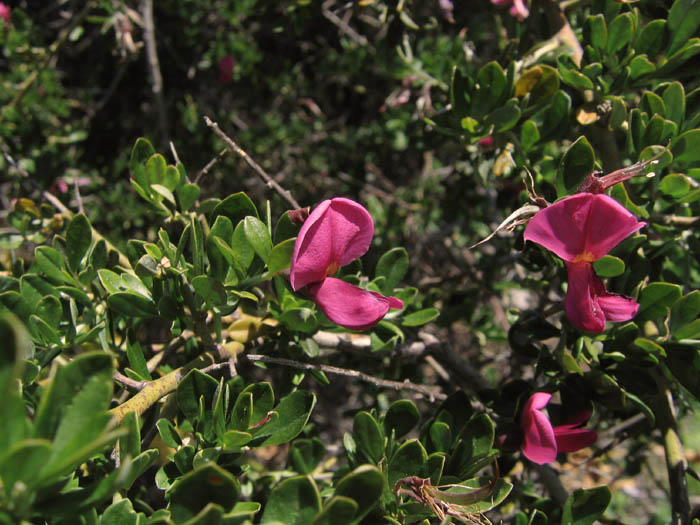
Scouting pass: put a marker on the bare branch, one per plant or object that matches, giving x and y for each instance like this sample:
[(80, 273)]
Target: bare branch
[(149, 31), (271, 183), (432, 393)]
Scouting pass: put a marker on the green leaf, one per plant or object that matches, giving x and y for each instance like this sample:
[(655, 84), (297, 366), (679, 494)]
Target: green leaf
[(295, 501), (618, 113), (78, 240), (652, 104), (130, 440), (577, 162), (619, 32), (82, 419), (675, 185), (598, 31), (194, 385), (683, 21), (440, 436), (22, 461), (120, 513), (489, 90), (49, 309), (168, 433), (299, 319), (17, 348), (401, 418), (263, 400), (408, 460), (420, 317), (656, 299), (236, 207), (67, 382), (293, 413), (211, 290), (137, 361), (478, 436), (259, 238), (609, 266), (132, 305), (639, 66), (393, 265), (110, 280), (50, 262), (243, 250), (503, 118), (281, 256), (243, 513), (241, 413), (574, 78), (529, 134), (187, 195), (15, 303), (585, 506), (338, 510), (651, 38), (140, 153), (685, 310), (368, 436), (674, 101), (686, 147), (363, 485), (460, 88), (306, 454), (285, 229), (206, 484)]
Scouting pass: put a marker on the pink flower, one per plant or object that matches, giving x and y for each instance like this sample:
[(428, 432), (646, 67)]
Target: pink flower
[(5, 13), (542, 442), (581, 229), (226, 66), (518, 8), (336, 233)]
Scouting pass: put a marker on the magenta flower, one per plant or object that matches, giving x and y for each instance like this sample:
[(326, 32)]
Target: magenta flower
[(5, 13), (542, 442), (581, 229), (518, 8), (226, 66), (336, 233)]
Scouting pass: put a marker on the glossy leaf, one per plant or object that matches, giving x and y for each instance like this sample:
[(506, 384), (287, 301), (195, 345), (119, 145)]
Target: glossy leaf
[(295, 501)]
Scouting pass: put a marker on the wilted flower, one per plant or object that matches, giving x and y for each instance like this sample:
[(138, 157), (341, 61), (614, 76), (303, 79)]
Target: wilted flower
[(542, 442), (226, 66), (518, 8), (581, 229), (336, 233)]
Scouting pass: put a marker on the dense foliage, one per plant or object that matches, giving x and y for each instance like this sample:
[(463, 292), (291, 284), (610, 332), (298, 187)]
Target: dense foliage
[(527, 313)]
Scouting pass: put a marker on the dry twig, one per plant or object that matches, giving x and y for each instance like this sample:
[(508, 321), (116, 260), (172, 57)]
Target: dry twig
[(271, 183)]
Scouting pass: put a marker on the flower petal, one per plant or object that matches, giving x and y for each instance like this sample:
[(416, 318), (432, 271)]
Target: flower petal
[(539, 443), (615, 307), (337, 232), (584, 224), (519, 10), (561, 227), (573, 439), (350, 306), (607, 224), (581, 304)]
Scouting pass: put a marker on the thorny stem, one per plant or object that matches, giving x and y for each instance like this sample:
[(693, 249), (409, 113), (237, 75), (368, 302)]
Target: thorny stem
[(271, 183)]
